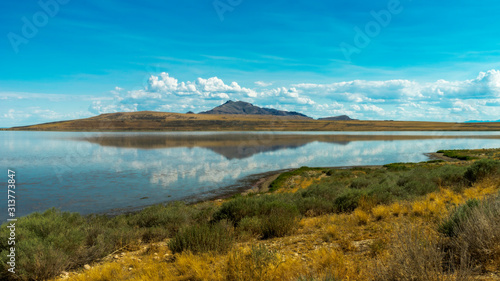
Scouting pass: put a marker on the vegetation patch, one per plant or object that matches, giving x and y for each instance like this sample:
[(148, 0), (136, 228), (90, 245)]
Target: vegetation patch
[(457, 154), (282, 179), (201, 238)]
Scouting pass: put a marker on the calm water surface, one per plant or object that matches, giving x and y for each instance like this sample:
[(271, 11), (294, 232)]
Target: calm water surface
[(101, 172)]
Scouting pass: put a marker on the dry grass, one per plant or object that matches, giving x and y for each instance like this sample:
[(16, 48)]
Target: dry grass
[(417, 254)]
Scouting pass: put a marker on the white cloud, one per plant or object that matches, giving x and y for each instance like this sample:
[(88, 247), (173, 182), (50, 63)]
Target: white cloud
[(15, 114), (164, 92), (476, 98), (356, 107), (373, 108), (485, 85), (263, 84)]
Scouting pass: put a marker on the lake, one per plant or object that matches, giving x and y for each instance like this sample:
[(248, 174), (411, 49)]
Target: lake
[(91, 172)]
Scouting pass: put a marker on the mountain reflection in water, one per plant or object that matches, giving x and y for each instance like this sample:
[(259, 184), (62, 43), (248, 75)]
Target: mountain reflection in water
[(240, 146)]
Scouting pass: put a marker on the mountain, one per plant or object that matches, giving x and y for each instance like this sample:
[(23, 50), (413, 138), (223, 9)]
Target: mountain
[(245, 108), (482, 121), (337, 118)]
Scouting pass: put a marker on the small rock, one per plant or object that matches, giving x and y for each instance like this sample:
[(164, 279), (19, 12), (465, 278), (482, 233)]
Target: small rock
[(64, 275), (116, 257), (130, 269), (87, 267), (122, 254)]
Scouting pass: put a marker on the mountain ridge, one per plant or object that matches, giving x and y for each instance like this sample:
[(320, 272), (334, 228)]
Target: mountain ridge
[(337, 118), (246, 108)]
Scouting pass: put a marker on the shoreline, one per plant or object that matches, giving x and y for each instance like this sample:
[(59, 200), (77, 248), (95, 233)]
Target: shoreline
[(255, 183)]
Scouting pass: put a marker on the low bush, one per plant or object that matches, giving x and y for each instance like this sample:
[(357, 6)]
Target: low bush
[(315, 206), (417, 255), (237, 209), (450, 176), (360, 183), (281, 221), (256, 264), (482, 169), (251, 226), (168, 217), (201, 238), (53, 241), (474, 230), (348, 200), (397, 166), (451, 225)]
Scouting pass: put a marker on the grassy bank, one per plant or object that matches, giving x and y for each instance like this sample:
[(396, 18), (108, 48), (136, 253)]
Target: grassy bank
[(426, 221)]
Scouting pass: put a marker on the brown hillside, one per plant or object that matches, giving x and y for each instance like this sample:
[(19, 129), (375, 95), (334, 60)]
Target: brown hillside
[(165, 121)]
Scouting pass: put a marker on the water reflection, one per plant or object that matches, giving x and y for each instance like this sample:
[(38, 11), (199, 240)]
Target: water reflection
[(244, 145), (99, 172)]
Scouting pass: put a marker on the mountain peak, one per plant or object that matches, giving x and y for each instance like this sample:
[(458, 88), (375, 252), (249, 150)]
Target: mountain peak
[(246, 108), (337, 118)]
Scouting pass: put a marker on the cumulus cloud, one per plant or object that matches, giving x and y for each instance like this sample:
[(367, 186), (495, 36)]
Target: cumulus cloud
[(164, 92), (391, 99)]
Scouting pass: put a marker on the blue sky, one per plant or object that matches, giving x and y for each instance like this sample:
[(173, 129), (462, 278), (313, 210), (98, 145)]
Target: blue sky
[(413, 60)]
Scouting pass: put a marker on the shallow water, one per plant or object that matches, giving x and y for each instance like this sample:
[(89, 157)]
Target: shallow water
[(101, 172)]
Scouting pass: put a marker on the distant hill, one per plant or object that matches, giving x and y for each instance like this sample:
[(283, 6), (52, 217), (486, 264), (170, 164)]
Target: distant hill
[(245, 108), (482, 121), (168, 121), (337, 118)]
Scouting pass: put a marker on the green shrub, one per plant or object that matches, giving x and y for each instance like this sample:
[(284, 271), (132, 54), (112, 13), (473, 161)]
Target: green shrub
[(417, 182), (482, 169), (397, 166), (239, 208), (203, 238), (154, 234), (449, 175), (360, 183), (53, 241), (451, 225), (250, 225), (36, 260), (348, 200), (170, 217), (386, 193), (327, 191), (315, 206), (457, 154), (281, 221), (477, 234)]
